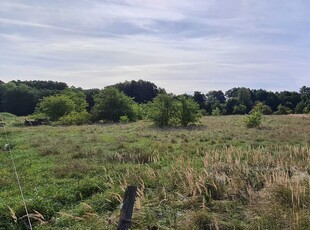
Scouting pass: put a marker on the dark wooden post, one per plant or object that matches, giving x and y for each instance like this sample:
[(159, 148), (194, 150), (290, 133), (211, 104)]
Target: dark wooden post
[(125, 221)]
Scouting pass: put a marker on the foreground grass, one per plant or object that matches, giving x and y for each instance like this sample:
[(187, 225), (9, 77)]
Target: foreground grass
[(216, 175)]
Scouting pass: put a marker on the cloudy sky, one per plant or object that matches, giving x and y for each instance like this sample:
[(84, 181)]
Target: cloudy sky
[(181, 45)]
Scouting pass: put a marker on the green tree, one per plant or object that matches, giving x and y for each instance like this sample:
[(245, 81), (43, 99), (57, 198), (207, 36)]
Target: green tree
[(56, 106), (63, 105), (200, 99), (90, 93), (289, 99), (78, 97), (230, 105), (216, 112), (215, 101), (162, 109), (50, 85), (141, 91), (239, 100), (244, 97), (18, 99), (239, 109), (283, 110), (305, 93), (262, 108), (111, 104), (188, 110), (303, 107)]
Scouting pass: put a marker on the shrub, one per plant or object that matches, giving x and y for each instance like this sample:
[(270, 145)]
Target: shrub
[(75, 118), (111, 104), (253, 120), (283, 110), (166, 110), (216, 112), (262, 108), (124, 119), (162, 110), (239, 109), (56, 106), (188, 110)]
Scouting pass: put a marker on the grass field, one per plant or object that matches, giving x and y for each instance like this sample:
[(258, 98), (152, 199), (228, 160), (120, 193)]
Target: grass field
[(215, 175)]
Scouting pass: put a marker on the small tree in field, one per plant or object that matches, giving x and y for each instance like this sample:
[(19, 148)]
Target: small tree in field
[(188, 110), (162, 109), (254, 120), (111, 104)]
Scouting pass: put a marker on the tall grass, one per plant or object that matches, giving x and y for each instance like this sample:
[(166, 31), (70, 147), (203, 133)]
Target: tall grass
[(218, 175)]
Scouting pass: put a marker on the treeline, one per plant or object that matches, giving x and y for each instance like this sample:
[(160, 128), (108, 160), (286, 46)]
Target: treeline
[(242, 100), (24, 97)]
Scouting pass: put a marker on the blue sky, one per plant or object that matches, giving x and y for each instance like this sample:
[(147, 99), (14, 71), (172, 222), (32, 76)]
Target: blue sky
[(181, 45)]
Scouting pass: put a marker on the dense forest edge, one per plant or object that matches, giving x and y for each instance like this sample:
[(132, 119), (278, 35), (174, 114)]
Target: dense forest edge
[(134, 100)]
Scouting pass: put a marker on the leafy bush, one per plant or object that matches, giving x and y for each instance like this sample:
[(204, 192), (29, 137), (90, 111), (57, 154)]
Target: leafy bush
[(124, 119), (283, 110), (166, 110), (239, 109), (111, 104), (61, 105), (216, 112), (56, 106), (254, 120), (262, 108), (162, 109), (75, 118), (188, 110)]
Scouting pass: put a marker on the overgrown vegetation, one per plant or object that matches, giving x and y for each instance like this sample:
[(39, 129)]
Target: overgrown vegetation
[(216, 175), (22, 97)]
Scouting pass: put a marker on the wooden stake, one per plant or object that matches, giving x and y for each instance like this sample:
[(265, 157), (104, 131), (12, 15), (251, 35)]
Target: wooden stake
[(125, 220)]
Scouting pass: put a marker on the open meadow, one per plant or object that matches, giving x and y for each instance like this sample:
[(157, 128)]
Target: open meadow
[(215, 175)]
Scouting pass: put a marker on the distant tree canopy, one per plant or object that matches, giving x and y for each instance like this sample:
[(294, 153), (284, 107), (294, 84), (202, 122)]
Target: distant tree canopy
[(141, 91), (40, 85), (90, 94), (304, 105), (18, 99), (305, 93), (22, 97), (200, 98)]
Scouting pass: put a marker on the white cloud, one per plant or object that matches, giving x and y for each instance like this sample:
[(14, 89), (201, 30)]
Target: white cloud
[(181, 45)]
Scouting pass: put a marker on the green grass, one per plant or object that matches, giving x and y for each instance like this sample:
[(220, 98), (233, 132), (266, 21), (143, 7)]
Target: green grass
[(216, 175), (11, 119)]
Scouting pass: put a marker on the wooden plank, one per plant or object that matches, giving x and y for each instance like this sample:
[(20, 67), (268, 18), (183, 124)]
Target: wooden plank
[(125, 220)]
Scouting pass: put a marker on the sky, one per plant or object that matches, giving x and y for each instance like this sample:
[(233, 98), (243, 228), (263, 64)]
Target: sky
[(180, 45)]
